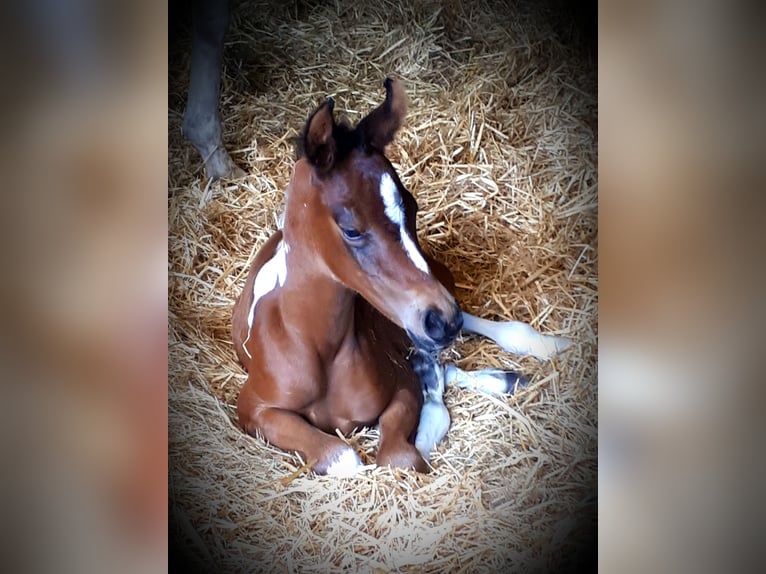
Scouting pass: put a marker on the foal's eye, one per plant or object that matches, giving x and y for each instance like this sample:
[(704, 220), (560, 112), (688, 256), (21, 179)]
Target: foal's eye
[(351, 234)]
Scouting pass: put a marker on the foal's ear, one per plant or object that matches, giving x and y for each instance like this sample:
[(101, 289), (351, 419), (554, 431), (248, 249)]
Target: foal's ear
[(382, 123), (318, 142)]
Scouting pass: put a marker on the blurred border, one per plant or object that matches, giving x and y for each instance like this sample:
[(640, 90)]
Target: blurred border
[(680, 99), (83, 292), (84, 353)]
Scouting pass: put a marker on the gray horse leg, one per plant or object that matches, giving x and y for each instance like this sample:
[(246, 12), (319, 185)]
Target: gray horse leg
[(202, 121)]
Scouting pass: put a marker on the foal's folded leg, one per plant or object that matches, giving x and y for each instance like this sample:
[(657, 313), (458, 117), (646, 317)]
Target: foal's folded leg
[(324, 453), (397, 426), (434, 416), (490, 381)]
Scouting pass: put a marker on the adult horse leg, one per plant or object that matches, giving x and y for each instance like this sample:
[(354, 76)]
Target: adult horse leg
[(516, 337), (202, 122), (324, 453)]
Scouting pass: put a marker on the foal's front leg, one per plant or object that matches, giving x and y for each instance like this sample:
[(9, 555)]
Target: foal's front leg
[(324, 453), (397, 424)]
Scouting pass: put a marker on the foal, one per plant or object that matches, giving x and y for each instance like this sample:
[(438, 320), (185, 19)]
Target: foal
[(334, 302)]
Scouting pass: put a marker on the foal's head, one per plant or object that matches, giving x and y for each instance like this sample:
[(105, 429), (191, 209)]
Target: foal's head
[(348, 204)]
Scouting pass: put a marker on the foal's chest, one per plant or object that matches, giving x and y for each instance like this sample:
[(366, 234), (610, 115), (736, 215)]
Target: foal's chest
[(357, 387)]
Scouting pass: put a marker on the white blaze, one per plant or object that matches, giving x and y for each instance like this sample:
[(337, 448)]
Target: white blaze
[(392, 200), (273, 272)]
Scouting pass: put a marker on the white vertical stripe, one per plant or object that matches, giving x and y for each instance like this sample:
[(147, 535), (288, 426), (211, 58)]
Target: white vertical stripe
[(273, 272), (392, 201)]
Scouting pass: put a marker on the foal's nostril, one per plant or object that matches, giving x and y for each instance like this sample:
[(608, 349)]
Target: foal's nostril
[(434, 324), (439, 329), (457, 321)]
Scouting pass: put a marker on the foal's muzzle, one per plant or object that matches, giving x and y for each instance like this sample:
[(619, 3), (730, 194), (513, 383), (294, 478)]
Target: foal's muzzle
[(439, 329)]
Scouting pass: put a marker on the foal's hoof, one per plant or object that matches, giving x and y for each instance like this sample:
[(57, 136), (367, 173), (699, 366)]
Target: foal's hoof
[(345, 462), (549, 346), (408, 458)]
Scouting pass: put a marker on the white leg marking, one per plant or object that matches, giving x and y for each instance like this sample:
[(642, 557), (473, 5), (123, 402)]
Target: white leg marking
[(434, 424), (392, 200), (516, 337), (347, 463), (273, 273), (490, 381), (434, 417)]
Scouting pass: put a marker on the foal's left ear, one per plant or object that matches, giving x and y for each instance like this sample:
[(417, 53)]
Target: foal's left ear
[(381, 124), (318, 141)]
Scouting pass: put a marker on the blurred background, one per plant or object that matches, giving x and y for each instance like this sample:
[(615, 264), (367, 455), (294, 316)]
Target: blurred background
[(84, 328), (680, 219), (84, 112)]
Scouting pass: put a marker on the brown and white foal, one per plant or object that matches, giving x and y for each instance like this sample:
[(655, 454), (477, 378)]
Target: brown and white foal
[(335, 300)]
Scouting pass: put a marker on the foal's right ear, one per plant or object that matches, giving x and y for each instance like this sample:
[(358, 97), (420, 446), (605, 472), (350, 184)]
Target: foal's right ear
[(379, 127), (318, 141)]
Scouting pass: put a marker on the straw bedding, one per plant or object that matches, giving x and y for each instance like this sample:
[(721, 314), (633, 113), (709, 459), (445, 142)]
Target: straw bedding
[(499, 148)]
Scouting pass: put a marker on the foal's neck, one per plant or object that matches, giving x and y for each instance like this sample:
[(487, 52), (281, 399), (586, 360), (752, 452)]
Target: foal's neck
[(313, 303), (316, 305)]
